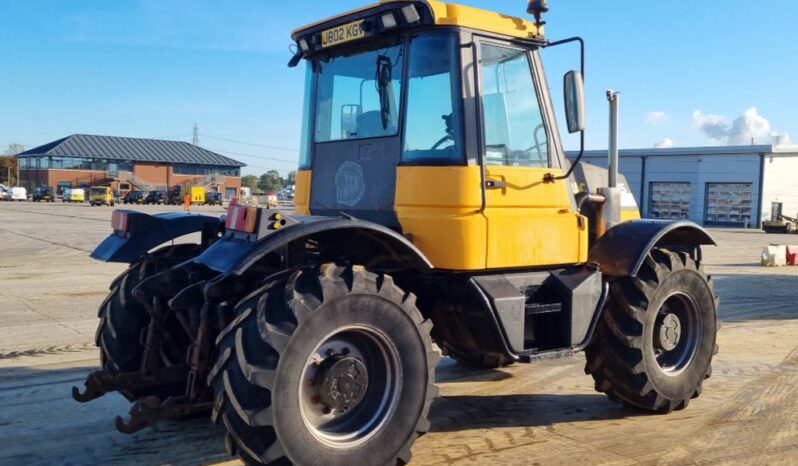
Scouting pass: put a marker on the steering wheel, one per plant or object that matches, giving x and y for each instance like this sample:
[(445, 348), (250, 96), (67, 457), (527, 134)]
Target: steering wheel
[(449, 132)]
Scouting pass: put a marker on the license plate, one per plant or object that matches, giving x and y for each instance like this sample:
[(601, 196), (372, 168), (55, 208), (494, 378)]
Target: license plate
[(345, 33)]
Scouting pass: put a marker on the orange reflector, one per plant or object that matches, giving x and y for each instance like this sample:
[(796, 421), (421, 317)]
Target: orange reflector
[(242, 218), (251, 219), (119, 220)]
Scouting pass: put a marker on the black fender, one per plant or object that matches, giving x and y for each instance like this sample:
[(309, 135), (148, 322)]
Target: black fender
[(357, 240), (623, 248), (146, 232)]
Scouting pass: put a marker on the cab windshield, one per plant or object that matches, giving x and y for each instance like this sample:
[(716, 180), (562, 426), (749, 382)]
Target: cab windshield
[(357, 96), (101, 191)]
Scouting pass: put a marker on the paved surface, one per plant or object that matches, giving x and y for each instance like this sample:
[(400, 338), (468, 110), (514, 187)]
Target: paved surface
[(545, 414)]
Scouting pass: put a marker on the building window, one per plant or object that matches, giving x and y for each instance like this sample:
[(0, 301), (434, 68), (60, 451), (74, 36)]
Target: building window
[(728, 204), (204, 170), (669, 200)]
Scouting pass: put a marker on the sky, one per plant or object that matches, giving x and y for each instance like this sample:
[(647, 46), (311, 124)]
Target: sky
[(690, 73)]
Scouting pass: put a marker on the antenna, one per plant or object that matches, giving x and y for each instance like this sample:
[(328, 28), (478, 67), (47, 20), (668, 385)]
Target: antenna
[(195, 135)]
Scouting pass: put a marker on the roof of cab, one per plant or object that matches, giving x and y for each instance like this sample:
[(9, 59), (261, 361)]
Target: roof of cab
[(452, 14)]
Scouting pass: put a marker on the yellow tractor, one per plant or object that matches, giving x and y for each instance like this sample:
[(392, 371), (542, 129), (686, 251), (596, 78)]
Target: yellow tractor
[(435, 209)]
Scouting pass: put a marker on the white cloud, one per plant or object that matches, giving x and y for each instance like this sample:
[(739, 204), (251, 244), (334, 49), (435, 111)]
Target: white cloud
[(748, 127), (657, 117), (664, 144)]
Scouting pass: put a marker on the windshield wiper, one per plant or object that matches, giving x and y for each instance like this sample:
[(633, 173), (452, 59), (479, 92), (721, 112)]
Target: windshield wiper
[(385, 88)]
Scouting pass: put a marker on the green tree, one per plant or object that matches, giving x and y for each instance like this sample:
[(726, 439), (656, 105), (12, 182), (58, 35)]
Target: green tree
[(8, 164), (291, 178), (270, 181), (249, 181)]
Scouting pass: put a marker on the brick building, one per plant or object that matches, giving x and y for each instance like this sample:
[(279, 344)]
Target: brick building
[(125, 164)]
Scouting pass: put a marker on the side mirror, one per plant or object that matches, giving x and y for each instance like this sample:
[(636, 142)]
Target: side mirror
[(575, 113)]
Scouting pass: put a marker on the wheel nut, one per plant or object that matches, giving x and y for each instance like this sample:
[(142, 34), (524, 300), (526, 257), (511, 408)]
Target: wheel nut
[(330, 352), (346, 351), (326, 410)]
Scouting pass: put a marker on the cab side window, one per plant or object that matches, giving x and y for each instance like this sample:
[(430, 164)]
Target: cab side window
[(514, 131), (434, 123)]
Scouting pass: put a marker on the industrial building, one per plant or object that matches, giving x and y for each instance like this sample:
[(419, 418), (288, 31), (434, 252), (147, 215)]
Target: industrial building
[(714, 186), (125, 164)]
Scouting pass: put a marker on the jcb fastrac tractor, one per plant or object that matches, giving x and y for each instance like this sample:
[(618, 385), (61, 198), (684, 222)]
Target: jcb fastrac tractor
[(434, 208)]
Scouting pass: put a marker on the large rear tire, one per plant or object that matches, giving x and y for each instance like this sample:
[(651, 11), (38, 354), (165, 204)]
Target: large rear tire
[(654, 345), (330, 366), (123, 321)]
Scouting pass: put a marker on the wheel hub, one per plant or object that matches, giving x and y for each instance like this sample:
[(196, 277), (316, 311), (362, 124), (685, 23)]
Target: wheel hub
[(670, 330), (341, 382)]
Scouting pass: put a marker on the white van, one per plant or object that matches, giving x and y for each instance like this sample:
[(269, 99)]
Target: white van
[(18, 194)]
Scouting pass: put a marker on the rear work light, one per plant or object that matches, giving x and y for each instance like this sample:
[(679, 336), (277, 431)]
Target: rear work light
[(120, 220), (242, 218)]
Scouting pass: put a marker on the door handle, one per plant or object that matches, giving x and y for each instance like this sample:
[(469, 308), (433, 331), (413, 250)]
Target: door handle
[(495, 184)]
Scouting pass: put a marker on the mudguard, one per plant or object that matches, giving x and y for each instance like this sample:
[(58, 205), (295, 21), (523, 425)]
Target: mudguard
[(622, 250), (358, 240), (146, 232)]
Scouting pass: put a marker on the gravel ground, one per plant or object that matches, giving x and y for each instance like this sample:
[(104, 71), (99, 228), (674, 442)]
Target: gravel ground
[(546, 413)]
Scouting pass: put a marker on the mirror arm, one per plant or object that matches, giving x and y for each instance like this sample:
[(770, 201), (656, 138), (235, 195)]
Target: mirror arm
[(549, 177)]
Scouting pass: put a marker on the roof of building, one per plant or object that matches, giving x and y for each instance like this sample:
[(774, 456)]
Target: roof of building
[(770, 149), (131, 149)]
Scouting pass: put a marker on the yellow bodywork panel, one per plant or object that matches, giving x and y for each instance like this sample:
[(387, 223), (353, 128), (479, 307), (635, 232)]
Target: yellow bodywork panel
[(527, 223), (451, 14), (629, 214), (531, 222), (439, 208), (302, 192)]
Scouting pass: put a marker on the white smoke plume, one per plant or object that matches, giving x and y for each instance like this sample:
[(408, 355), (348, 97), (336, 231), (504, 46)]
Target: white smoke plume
[(664, 144), (750, 126)]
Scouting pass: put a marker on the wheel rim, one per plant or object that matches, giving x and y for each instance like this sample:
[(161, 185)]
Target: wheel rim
[(676, 336), (350, 386)]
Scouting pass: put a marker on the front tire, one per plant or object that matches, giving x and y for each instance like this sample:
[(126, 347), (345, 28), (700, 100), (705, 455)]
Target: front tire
[(330, 366), (654, 345)]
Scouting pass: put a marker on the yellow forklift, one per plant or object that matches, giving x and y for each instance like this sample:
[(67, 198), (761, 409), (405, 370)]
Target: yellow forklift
[(434, 204)]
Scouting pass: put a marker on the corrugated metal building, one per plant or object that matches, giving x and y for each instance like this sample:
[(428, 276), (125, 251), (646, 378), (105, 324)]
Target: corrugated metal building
[(125, 164), (724, 185)]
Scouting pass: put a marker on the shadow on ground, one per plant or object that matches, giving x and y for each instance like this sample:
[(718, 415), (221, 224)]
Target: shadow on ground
[(40, 424)]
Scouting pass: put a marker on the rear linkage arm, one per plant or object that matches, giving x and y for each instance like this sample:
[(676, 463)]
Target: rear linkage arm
[(205, 300)]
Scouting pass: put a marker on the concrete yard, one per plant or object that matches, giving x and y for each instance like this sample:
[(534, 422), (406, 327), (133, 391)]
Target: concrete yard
[(546, 413)]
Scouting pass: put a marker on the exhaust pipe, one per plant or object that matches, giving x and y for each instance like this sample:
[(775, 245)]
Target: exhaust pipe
[(610, 213)]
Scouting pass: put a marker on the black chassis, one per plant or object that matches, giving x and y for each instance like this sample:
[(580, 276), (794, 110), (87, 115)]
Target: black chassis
[(522, 314), (519, 315)]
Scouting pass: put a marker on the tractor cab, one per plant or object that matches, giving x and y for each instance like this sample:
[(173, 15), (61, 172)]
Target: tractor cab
[(435, 120)]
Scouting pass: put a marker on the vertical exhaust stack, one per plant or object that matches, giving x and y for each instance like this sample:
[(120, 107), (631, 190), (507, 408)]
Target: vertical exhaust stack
[(610, 213)]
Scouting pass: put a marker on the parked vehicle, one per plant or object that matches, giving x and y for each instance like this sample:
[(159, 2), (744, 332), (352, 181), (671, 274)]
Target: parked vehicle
[(5, 194), (155, 198), (18, 194), (102, 195), (270, 200), (213, 198), (74, 195), (134, 197), (43, 194), (197, 195), (175, 197)]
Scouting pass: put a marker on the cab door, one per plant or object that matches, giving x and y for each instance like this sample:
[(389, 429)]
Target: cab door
[(531, 220)]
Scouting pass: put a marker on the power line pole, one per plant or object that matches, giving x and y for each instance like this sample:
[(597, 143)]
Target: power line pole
[(195, 137)]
